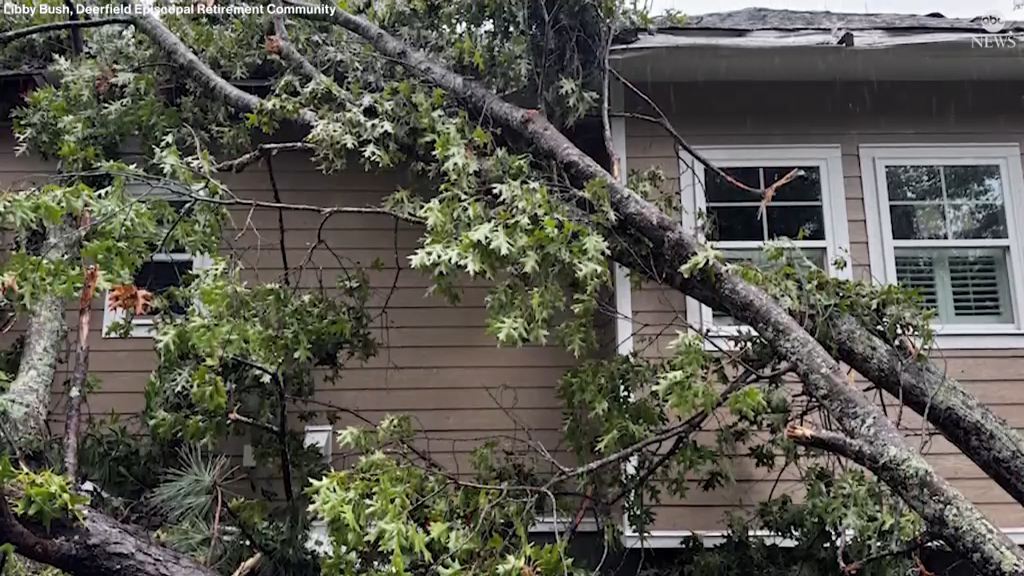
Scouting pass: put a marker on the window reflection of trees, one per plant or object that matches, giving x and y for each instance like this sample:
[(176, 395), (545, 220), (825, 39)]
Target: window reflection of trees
[(946, 202), (796, 210)]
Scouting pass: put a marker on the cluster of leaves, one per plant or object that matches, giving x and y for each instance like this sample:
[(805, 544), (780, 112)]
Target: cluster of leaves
[(385, 515), (615, 404), (42, 496), (511, 218), (242, 347), (238, 363), (844, 517), (892, 312)]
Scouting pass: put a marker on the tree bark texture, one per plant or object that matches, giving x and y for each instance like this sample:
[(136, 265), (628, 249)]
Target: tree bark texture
[(924, 387), (25, 405), (664, 247), (76, 390), (100, 546)]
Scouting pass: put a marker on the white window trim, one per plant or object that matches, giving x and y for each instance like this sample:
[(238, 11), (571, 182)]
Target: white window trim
[(713, 538), (144, 327), (827, 158), (320, 436), (881, 252)]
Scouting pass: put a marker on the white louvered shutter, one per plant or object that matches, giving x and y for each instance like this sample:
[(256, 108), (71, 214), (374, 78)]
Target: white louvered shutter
[(976, 287), (963, 288), (918, 272)]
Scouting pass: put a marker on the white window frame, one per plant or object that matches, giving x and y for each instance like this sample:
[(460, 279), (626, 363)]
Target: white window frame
[(144, 327), (828, 158), (881, 250)]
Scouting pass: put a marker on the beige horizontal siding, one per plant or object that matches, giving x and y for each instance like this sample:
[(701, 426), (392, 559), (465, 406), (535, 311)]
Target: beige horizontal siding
[(436, 363), (847, 114)]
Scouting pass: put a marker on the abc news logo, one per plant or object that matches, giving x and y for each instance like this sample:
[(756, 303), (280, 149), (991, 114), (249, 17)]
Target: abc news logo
[(994, 23)]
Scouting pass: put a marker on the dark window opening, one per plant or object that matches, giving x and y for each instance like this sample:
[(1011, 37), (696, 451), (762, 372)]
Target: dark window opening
[(159, 276), (12, 93)]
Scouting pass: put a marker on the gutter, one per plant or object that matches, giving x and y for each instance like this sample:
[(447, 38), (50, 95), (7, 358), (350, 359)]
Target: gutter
[(867, 38)]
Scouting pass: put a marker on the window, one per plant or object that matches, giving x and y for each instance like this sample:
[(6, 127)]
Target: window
[(166, 269), (809, 210), (941, 219)]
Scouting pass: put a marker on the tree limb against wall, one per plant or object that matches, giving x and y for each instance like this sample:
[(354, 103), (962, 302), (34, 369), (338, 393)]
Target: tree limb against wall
[(643, 238)]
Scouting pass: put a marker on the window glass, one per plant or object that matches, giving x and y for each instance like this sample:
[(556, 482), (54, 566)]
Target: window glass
[(796, 208), (934, 211), (796, 212)]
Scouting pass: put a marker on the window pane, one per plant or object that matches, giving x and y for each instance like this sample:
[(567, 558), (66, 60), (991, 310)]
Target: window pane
[(982, 183), (918, 221), (977, 220), (804, 188), (735, 223), (789, 221), (158, 277), (913, 182), (719, 190)]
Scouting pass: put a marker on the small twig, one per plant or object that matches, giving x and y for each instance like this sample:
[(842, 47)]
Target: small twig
[(916, 544), (280, 219), (240, 163), (662, 120), (236, 417), (247, 566), (282, 439), (216, 525)]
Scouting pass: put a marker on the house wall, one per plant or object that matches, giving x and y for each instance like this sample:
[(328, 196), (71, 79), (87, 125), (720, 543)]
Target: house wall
[(848, 115), (435, 363)]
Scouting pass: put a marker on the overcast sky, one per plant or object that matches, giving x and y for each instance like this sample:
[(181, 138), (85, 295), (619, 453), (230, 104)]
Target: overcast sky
[(950, 8)]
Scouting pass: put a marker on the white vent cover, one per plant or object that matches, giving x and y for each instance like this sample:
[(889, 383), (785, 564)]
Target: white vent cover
[(319, 436)]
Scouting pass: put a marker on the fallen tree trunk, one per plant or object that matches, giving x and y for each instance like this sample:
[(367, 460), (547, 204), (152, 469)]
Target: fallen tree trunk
[(926, 389), (100, 546), (985, 438), (660, 246), (876, 457), (25, 405), (666, 247)]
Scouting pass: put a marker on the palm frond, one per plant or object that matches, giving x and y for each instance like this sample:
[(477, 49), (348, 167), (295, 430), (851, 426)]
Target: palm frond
[(189, 492)]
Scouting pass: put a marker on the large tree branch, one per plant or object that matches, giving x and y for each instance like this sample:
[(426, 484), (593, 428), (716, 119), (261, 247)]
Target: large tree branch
[(669, 247), (76, 390), (280, 44), (8, 37), (25, 405), (981, 435), (220, 88), (100, 546)]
